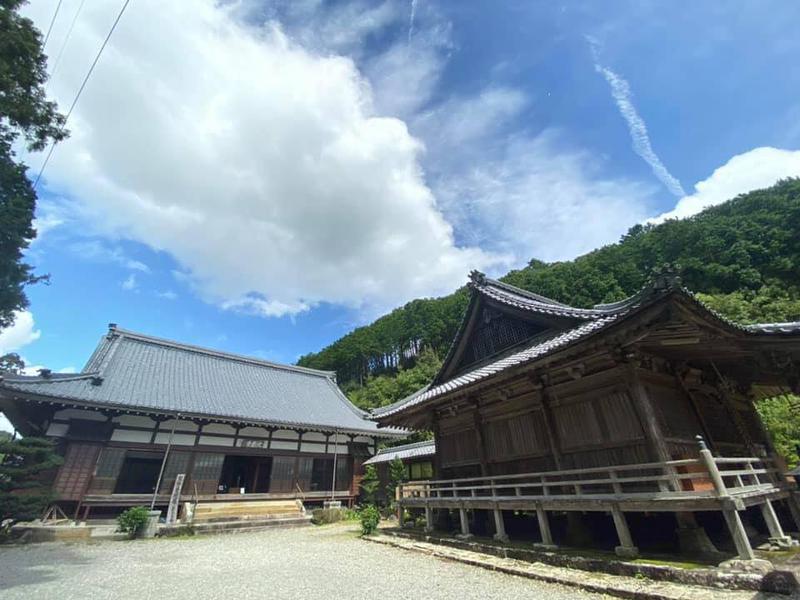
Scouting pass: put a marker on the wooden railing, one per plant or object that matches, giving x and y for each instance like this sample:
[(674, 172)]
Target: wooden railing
[(676, 479)]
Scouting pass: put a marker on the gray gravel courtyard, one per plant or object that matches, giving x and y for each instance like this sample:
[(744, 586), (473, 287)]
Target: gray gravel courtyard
[(327, 562)]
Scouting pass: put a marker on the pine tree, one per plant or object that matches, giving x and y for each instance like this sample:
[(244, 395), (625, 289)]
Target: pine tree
[(23, 496), (369, 485)]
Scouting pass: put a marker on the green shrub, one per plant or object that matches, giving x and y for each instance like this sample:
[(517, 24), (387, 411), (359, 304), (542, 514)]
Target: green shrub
[(133, 520), (370, 517)]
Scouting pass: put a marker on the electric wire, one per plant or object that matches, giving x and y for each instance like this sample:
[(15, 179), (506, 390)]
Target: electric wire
[(52, 22), (64, 43), (83, 85)]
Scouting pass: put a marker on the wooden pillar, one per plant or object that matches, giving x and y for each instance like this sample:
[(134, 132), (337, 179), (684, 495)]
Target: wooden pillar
[(544, 527), (732, 519), (499, 525), (462, 513), (480, 439), (437, 457), (626, 548), (550, 426), (773, 524), (649, 418), (428, 519)]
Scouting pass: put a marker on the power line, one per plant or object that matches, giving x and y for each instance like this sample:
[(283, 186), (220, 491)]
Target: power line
[(52, 22), (66, 39), (83, 85)]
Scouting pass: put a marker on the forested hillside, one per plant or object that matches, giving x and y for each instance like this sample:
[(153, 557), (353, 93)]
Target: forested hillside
[(743, 257)]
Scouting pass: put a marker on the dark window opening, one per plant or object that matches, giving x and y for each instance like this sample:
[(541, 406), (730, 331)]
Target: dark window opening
[(248, 473), (139, 473)]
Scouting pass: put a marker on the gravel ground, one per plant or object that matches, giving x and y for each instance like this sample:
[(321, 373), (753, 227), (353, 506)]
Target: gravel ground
[(315, 562)]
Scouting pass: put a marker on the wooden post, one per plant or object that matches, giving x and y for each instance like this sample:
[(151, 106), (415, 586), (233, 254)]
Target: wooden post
[(479, 438), (544, 527), (550, 426), (428, 519), (650, 424), (773, 524), (462, 513), (626, 548), (732, 518), (499, 526)]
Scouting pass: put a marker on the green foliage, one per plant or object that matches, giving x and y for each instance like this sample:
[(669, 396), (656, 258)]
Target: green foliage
[(397, 474), (742, 257), (370, 517), (781, 417), (385, 389), (369, 485), (22, 494), (26, 117), (133, 520), (11, 363)]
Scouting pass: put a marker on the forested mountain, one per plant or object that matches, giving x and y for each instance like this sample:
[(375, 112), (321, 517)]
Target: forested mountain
[(743, 257)]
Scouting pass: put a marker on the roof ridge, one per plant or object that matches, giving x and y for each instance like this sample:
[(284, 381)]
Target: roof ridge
[(53, 377), (479, 280), (114, 329)]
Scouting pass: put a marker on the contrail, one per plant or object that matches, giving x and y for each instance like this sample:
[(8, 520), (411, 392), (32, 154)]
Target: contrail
[(621, 92), (411, 19)]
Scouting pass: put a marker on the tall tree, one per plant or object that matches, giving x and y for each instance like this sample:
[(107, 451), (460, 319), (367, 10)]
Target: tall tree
[(27, 119)]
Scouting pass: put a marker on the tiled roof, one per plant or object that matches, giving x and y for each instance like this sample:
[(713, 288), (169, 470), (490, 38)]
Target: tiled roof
[(405, 452), (589, 321), (130, 370), (538, 348)]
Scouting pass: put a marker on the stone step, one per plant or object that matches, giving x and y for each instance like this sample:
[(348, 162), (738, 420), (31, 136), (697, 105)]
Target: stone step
[(250, 525), (248, 518)]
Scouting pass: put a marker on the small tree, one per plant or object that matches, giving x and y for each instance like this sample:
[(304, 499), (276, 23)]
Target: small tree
[(397, 474), (369, 485), (22, 494)]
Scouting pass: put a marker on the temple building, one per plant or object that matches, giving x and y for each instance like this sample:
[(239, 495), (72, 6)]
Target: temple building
[(145, 410), (621, 418)]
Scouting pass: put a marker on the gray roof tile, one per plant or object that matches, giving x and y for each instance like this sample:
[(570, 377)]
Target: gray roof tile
[(144, 372)]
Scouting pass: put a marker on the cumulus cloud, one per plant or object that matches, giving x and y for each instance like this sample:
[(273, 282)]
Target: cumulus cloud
[(22, 333), (623, 96), (262, 167), (756, 169)]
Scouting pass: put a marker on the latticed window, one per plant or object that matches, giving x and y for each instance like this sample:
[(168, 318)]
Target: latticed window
[(496, 332)]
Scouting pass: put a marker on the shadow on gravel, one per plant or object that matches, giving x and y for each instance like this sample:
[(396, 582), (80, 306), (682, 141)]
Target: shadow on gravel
[(37, 563)]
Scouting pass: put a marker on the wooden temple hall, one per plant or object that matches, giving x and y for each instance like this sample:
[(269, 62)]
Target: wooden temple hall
[(626, 425), (145, 411)]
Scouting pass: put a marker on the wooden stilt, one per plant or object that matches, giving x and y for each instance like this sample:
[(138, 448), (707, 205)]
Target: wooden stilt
[(626, 548), (544, 527), (428, 519), (776, 533), (738, 534), (499, 526), (462, 512)]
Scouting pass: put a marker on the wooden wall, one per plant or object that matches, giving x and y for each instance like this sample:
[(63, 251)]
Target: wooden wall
[(586, 421)]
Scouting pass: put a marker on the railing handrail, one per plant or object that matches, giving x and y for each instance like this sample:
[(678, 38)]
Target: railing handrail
[(615, 468), (544, 481)]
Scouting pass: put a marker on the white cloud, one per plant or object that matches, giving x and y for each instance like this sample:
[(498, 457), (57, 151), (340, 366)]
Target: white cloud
[(759, 168), (167, 295), (538, 199), (97, 251), (261, 167), (22, 333), (130, 284), (621, 92)]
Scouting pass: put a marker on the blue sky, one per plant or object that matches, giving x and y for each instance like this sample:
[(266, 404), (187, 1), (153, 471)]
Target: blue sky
[(261, 177)]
